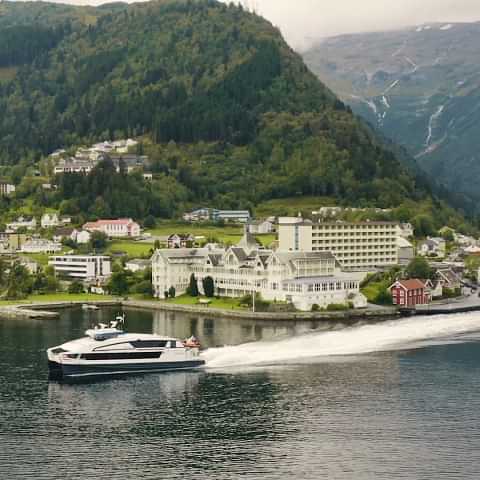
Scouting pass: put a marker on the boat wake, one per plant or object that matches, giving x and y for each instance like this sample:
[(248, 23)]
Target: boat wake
[(405, 334)]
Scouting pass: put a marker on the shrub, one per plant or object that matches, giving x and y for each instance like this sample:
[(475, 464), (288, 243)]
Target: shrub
[(75, 287), (315, 308), (172, 292), (337, 307)]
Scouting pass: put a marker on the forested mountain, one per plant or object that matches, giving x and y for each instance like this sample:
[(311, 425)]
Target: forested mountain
[(420, 86), (231, 113)]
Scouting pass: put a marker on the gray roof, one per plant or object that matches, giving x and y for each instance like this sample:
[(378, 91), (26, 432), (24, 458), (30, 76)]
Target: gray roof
[(248, 241)]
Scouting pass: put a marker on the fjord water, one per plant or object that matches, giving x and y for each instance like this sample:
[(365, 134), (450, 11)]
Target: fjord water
[(392, 400)]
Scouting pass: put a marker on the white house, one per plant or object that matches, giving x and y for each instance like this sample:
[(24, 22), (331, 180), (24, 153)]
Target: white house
[(137, 265), (261, 226), (65, 233), (83, 237), (49, 220), (405, 230), (81, 267), (40, 245), (122, 227), (432, 247), (304, 279), (6, 189), (30, 223)]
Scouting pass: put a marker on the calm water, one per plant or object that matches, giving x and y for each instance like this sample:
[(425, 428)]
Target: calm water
[(389, 401)]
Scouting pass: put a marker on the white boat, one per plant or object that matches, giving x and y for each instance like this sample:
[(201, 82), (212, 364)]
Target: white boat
[(87, 306), (108, 350)]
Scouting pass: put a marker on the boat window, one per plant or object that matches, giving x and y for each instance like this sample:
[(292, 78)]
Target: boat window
[(120, 355), (149, 343), (115, 346)]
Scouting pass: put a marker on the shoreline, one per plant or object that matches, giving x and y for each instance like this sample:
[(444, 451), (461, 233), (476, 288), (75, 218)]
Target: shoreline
[(50, 310), (44, 310)]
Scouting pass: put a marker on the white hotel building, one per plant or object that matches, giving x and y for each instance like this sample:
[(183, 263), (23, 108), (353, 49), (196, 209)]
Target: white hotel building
[(301, 278), (360, 246), (81, 267)]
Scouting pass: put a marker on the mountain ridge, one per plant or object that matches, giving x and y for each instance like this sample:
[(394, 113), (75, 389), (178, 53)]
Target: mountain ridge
[(420, 86), (225, 100)]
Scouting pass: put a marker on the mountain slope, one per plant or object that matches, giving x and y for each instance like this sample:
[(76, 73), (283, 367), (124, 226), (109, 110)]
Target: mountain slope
[(420, 86), (234, 114)]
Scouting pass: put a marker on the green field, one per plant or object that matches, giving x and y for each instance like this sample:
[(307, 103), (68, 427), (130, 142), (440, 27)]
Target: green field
[(229, 235), (131, 248), (58, 297), (223, 303)]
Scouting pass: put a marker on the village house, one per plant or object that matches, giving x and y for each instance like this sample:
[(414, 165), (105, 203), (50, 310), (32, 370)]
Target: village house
[(30, 223), (303, 279), (447, 278), (214, 215), (122, 227), (81, 267), (259, 227), (6, 189), (412, 292), (137, 265), (432, 247), (49, 220), (12, 242), (40, 245), (406, 251), (180, 240), (405, 230), (64, 233)]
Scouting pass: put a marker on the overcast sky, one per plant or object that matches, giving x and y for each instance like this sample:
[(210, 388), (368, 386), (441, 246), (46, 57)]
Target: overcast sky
[(304, 20), (301, 21)]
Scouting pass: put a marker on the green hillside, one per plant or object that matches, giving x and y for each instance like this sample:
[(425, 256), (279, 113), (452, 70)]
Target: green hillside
[(231, 115)]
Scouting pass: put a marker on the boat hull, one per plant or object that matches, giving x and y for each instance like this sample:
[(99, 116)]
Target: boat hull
[(61, 370)]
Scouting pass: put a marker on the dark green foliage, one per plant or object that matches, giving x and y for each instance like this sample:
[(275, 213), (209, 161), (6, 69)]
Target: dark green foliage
[(419, 268), (315, 308), (192, 289), (225, 100), (75, 287), (118, 284), (19, 282), (208, 287), (384, 297), (172, 292), (336, 307), (98, 241)]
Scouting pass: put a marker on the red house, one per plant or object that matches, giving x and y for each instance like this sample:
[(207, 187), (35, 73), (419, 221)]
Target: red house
[(408, 293)]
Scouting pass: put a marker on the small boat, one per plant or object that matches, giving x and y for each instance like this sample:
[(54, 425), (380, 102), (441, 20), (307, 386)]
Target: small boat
[(87, 306), (108, 350)]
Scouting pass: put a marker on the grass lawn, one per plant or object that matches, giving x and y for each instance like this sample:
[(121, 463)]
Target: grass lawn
[(229, 235), (58, 297), (224, 303), (131, 248)]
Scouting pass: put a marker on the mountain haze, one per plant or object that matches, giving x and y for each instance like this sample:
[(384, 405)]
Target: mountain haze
[(420, 86)]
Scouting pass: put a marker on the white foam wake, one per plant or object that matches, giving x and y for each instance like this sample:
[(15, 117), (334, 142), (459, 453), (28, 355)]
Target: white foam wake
[(393, 335)]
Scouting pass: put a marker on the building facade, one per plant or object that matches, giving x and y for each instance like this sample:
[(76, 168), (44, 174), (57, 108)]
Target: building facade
[(40, 245), (122, 227), (81, 267), (409, 293), (358, 246), (302, 278), (6, 189)]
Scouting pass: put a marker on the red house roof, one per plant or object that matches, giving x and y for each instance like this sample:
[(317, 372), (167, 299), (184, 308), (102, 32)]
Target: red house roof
[(412, 284)]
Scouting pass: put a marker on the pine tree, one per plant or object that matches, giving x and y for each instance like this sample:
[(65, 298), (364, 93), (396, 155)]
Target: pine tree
[(192, 289)]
